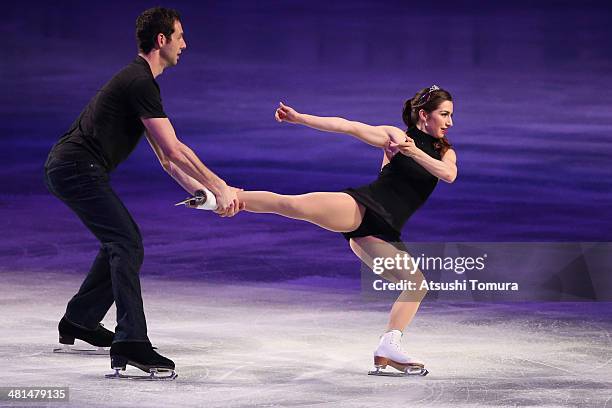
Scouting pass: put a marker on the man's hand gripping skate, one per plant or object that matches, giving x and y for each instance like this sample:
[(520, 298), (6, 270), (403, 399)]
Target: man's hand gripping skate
[(225, 205)]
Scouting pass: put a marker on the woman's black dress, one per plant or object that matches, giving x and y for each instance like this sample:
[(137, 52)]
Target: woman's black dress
[(401, 188)]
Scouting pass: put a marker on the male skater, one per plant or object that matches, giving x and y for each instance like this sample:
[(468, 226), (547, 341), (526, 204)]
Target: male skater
[(77, 172)]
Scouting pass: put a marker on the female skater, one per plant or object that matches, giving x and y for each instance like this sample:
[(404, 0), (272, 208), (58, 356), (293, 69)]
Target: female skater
[(371, 217)]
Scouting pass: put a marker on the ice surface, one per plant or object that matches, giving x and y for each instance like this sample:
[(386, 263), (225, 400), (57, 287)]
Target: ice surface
[(301, 344)]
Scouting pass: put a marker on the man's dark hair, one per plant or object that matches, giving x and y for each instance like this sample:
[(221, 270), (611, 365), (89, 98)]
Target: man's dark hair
[(152, 22)]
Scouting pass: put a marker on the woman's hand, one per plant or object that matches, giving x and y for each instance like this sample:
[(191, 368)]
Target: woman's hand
[(395, 138), (406, 147), (285, 113), (228, 203)]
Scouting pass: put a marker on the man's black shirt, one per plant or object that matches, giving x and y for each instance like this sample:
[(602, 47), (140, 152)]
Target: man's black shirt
[(109, 127)]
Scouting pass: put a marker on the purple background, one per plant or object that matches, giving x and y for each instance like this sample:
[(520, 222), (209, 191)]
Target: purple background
[(532, 124)]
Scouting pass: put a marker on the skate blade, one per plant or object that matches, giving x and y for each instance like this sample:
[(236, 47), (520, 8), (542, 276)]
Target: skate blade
[(184, 202), (406, 372), (383, 362), (84, 350), (153, 376)]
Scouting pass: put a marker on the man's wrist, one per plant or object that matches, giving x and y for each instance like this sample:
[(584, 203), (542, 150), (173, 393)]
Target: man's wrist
[(217, 187)]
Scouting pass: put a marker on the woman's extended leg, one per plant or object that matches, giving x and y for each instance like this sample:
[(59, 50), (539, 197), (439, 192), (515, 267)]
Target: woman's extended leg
[(408, 302), (337, 212)]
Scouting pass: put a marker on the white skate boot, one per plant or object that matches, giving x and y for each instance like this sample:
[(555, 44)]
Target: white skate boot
[(202, 200), (389, 352)]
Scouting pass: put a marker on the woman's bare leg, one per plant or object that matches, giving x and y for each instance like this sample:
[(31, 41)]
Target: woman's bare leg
[(408, 302), (337, 212)]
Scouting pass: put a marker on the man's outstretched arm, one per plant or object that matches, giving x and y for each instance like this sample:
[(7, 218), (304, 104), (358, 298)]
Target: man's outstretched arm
[(188, 183), (185, 167)]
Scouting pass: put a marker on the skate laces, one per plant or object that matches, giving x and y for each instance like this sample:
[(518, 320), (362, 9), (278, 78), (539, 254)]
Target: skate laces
[(395, 340)]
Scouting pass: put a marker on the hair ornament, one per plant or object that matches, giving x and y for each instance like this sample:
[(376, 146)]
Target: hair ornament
[(423, 99)]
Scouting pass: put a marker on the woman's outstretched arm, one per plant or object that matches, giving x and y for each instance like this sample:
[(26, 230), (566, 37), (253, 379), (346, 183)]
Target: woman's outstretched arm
[(378, 136)]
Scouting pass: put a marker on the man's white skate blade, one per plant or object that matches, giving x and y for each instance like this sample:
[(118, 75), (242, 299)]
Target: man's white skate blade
[(408, 372), (153, 376), (84, 350)]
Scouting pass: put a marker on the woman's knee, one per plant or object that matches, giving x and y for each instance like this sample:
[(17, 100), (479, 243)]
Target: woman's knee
[(418, 279)]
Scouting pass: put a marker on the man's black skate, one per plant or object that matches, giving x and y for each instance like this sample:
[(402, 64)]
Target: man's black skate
[(143, 356), (98, 338)]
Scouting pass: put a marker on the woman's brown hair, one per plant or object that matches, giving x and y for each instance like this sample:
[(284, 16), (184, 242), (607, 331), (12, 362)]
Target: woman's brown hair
[(428, 99)]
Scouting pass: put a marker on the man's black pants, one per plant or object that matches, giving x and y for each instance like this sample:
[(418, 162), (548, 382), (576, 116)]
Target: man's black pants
[(84, 187)]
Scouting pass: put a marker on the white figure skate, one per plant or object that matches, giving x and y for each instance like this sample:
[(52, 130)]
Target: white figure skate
[(390, 353), (202, 200)]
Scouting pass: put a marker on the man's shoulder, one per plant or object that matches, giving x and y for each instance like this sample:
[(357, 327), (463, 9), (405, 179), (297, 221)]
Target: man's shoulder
[(135, 70), (131, 76)]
